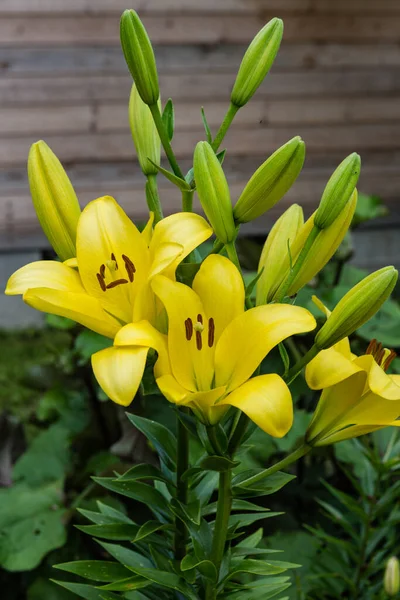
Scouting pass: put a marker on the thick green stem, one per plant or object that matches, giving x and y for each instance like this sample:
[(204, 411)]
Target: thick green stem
[(224, 507), (153, 199), (187, 200), (299, 263), (295, 370), (226, 123), (182, 489), (162, 132), (233, 255), (285, 462)]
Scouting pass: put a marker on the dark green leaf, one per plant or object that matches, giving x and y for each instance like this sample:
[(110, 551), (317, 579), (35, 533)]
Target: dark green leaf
[(185, 273), (218, 463), (205, 567), (97, 570), (137, 491), (221, 155), (245, 519), (189, 511), (167, 580), (252, 540), (160, 437), (148, 529), (256, 567), (252, 283), (266, 486), (206, 126), (125, 556), (100, 518), (110, 511), (115, 531), (168, 118), (205, 488), (125, 585), (237, 504), (80, 589), (143, 471)]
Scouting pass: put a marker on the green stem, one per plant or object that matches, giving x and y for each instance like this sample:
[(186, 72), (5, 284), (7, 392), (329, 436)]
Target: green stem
[(299, 263), (238, 434), (187, 200), (295, 370), (218, 246), (226, 123), (153, 199), (224, 507), (233, 256), (285, 462), (162, 132), (182, 489)]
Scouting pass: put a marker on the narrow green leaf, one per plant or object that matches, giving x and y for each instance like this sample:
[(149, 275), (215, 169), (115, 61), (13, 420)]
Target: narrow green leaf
[(97, 570), (285, 357), (245, 519), (205, 567), (180, 183), (168, 118), (143, 471), (137, 491), (255, 567), (148, 529), (237, 504), (115, 531), (126, 556), (206, 126), (221, 155), (126, 585), (167, 580), (189, 511), (266, 486), (80, 589), (110, 511), (252, 283), (252, 540), (218, 463), (162, 438)]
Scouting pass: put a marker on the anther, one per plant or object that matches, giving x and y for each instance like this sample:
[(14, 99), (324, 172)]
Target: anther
[(114, 284), (371, 347), (389, 360), (199, 343), (189, 329), (103, 271), (200, 318), (101, 281), (130, 267), (114, 259), (211, 332)]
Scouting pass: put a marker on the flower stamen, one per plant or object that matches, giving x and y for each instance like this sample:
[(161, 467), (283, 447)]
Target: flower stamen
[(382, 356)]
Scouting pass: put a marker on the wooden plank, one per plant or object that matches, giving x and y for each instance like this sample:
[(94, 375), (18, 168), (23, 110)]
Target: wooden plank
[(104, 30), (20, 91), (259, 142), (108, 59), (47, 119), (194, 6)]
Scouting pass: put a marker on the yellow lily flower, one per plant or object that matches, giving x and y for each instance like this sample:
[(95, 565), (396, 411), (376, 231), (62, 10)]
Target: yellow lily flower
[(358, 395), (213, 348), (115, 263)]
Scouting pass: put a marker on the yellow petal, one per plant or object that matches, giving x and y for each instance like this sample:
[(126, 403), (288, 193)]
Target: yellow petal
[(79, 307), (379, 382), (190, 354), (165, 255), (248, 339), (348, 433), (372, 408), (266, 399), (44, 273), (144, 334), (335, 402), (186, 229), (172, 390), (220, 287), (105, 233), (328, 368), (71, 262), (147, 232), (119, 372)]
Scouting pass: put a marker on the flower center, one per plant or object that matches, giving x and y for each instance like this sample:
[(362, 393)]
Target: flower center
[(383, 357), (110, 268), (198, 329)]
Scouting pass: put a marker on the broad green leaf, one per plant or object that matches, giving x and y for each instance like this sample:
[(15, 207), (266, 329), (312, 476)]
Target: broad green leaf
[(266, 486), (126, 556), (245, 519), (167, 580), (218, 463), (143, 471), (205, 567), (160, 559), (115, 531), (168, 118), (137, 491), (97, 570), (189, 511), (252, 540), (160, 437), (202, 539), (205, 488), (256, 567), (112, 512), (99, 518)]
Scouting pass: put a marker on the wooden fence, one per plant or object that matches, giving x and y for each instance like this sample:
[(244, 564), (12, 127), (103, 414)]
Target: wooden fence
[(336, 82)]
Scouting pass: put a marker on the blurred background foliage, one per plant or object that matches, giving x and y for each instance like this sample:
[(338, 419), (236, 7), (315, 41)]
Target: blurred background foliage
[(57, 430)]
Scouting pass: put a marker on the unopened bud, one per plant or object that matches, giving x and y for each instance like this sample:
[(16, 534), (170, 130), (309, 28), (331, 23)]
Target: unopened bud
[(271, 181), (257, 61), (54, 199), (139, 56), (275, 257), (213, 192), (357, 307), (144, 133), (338, 191), (392, 576)]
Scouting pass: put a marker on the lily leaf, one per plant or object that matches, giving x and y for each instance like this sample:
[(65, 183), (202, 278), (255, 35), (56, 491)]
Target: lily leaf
[(266, 486), (143, 471), (126, 556), (205, 567), (218, 463), (137, 491), (168, 118), (162, 438), (114, 531), (206, 126), (180, 183), (166, 579), (97, 570)]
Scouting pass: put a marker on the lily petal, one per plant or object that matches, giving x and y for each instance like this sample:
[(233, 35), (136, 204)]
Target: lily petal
[(266, 399), (172, 390), (220, 287), (81, 308), (186, 229), (144, 334), (106, 240), (328, 368), (119, 372), (44, 273), (147, 232), (379, 382), (165, 255), (190, 355), (248, 339), (348, 433)]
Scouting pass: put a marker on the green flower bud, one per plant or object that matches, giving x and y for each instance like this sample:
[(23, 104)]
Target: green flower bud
[(257, 61), (139, 56), (392, 577), (213, 192), (357, 307), (275, 257), (271, 181), (144, 133), (54, 199), (338, 191)]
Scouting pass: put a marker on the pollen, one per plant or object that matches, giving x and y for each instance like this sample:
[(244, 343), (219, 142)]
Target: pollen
[(382, 356)]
